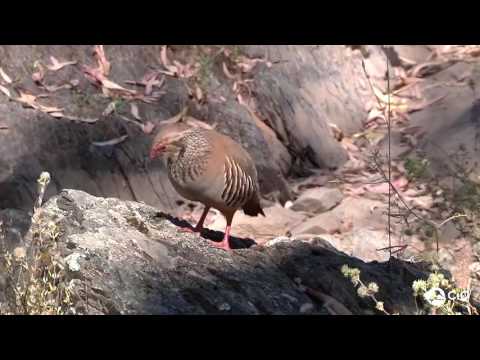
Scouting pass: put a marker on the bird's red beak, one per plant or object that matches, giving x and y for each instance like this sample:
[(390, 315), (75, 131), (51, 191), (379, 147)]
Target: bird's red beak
[(157, 149)]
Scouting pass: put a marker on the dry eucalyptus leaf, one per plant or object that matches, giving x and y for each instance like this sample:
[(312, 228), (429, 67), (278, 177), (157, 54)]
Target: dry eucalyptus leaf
[(109, 109), (114, 86), (57, 65), (5, 77), (56, 114), (111, 142), (103, 63), (227, 73), (166, 63), (148, 127), (49, 109), (27, 99), (198, 93), (134, 111), (38, 76), (53, 88), (85, 120), (4, 90)]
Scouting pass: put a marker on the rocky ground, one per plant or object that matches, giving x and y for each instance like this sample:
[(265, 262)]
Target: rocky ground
[(121, 257), (434, 118), (127, 257)]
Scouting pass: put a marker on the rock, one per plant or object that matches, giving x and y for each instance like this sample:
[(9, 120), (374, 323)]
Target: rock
[(416, 53), (352, 213), (307, 308), (326, 223), (318, 200), (446, 259), (35, 141), (72, 262), (475, 270), (145, 266), (476, 250), (366, 243), (300, 99), (277, 222)]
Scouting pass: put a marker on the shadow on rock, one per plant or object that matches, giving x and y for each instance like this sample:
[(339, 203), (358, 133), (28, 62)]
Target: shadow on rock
[(217, 236)]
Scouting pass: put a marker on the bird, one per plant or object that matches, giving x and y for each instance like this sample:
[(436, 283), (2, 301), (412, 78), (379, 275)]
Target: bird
[(208, 167)]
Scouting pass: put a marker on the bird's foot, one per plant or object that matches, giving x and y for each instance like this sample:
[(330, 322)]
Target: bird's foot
[(224, 245), (190, 230), (187, 229)]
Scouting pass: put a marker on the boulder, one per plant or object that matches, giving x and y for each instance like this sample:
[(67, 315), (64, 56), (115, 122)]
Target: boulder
[(317, 200), (124, 257)]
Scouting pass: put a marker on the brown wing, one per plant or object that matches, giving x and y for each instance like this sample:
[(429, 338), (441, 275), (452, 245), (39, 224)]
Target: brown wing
[(241, 184)]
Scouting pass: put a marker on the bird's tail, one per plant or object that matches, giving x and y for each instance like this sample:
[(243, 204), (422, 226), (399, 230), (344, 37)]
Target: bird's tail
[(252, 207)]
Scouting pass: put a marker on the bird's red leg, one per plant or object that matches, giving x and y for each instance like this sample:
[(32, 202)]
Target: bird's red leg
[(225, 243), (199, 227)]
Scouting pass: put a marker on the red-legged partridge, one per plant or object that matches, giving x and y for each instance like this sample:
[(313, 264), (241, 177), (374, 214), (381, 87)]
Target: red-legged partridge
[(211, 168)]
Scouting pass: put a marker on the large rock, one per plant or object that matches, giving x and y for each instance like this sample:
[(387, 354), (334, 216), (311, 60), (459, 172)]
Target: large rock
[(311, 87), (31, 141), (125, 257), (318, 200), (352, 213)]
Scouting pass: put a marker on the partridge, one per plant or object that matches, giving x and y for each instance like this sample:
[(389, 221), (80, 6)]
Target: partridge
[(210, 168)]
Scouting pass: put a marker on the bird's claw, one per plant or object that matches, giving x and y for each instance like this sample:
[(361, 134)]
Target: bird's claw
[(221, 245)]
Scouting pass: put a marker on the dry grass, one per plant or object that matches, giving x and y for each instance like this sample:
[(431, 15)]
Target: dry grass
[(35, 276)]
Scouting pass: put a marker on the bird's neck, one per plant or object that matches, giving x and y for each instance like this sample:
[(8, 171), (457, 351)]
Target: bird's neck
[(194, 152)]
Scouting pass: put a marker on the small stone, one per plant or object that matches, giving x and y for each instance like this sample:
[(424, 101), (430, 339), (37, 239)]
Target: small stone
[(475, 269), (318, 200), (224, 307), (277, 240), (72, 262), (306, 308)]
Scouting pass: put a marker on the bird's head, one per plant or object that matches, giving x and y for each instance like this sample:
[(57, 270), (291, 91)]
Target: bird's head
[(168, 140)]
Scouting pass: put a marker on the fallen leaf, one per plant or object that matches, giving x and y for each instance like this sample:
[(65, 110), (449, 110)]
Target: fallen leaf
[(151, 81), (383, 188), (114, 86), (5, 77), (148, 127), (86, 120), (109, 109), (93, 75), (56, 114), (198, 93), (172, 70), (4, 90), (38, 76), (53, 88), (27, 99), (163, 56), (227, 73), (111, 142), (103, 63), (423, 202), (49, 109), (134, 111), (57, 65), (30, 100)]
